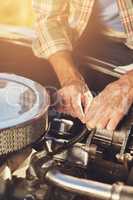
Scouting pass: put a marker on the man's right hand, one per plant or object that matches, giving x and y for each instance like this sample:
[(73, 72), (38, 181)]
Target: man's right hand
[(75, 99)]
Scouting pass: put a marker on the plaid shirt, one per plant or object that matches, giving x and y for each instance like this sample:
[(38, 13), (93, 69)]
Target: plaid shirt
[(61, 22)]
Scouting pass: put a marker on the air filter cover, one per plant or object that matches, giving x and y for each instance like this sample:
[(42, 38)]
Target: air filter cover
[(23, 112)]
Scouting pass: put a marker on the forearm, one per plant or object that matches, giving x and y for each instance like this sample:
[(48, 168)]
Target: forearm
[(52, 28), (129, 77), (64, 67)]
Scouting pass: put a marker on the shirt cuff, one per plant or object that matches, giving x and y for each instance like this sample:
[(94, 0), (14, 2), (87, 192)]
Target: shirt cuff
[(45, 52)]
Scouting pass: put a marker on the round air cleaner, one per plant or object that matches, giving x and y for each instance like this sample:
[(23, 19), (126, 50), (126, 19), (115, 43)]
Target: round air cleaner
[(23, 112)]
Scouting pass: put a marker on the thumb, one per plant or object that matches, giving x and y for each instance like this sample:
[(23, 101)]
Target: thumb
[(77, 107), (87, 100)]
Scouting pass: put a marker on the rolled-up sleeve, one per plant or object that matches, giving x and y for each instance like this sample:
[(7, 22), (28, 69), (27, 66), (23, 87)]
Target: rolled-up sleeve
[(52, 30)]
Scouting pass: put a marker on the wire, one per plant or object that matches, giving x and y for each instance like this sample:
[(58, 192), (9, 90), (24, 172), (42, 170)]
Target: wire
[(67, 145)]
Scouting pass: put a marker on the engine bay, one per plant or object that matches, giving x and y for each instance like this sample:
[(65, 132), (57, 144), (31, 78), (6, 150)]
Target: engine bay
[(93, 164), (69, 161)]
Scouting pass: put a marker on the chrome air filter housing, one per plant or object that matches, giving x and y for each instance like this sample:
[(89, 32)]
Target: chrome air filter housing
[(23, 112)]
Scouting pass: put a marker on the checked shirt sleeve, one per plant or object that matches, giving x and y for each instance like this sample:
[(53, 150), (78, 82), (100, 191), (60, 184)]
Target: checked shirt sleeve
[(53, 32)]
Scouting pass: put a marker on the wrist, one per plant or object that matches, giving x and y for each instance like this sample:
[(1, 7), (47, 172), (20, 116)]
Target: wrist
[(65, 68), (72, 80)]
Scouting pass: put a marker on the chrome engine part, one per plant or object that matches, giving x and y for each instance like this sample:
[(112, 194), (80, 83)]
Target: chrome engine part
[(23, 107)]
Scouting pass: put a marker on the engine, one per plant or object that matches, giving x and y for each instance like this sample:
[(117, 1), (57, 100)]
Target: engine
[(71, 162)]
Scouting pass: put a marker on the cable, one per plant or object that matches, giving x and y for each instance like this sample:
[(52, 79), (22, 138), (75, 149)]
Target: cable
[(67, 145)]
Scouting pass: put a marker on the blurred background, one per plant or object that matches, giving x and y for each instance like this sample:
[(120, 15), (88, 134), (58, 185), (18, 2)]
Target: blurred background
[(16, 34), (16, 12)]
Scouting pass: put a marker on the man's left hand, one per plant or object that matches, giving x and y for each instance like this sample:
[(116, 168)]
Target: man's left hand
[(110, 106)]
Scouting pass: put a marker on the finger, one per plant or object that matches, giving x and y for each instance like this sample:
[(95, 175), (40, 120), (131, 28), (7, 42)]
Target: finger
[(92, 123), (104, 119), (114, 121), (67, 111), (99, 116), (61, 110), (91, 112), (65, 105), (77, 107), (70, 112), (87, 100), (94, 108), (102, 124)]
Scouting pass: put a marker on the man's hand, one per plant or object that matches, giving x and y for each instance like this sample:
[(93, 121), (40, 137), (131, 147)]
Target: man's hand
[(110, 106), (75, 98)]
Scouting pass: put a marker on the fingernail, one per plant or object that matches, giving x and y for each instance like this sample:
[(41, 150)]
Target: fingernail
[(82, 120), (90, 125), (109, 128), (99, 126)]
